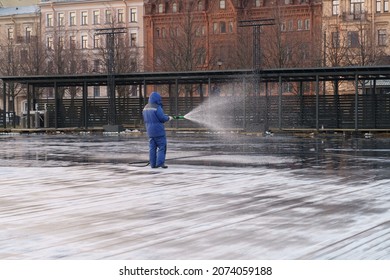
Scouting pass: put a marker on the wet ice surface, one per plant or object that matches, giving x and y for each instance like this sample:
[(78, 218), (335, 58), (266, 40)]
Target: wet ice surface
[(222, 197)]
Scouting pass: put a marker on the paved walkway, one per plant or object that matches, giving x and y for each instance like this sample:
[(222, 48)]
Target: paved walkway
[(77, 197)]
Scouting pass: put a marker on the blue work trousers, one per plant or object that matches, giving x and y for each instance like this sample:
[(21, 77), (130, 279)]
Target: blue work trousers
[(157, 151)]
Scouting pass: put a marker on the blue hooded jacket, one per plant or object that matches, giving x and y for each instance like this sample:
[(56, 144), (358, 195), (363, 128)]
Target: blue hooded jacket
[(154, 117)]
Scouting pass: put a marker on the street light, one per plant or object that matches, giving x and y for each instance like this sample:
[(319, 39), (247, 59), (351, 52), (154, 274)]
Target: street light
[(219, 63), (110, 34)]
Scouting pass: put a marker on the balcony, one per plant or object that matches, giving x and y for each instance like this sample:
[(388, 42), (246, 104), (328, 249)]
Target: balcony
[(348, 16)]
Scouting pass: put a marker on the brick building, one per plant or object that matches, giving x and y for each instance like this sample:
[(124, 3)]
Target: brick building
[(206, 34)]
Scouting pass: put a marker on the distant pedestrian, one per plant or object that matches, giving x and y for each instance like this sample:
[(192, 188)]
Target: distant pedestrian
[(154, 119)]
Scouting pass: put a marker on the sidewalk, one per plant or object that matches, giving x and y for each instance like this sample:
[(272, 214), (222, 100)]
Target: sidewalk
[(222, 197)]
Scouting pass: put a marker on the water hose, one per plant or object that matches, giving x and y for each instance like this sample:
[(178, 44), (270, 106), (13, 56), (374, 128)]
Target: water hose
[(179, 118)]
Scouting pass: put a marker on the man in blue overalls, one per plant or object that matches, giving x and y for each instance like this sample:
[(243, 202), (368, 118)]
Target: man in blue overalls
[(154, 119)]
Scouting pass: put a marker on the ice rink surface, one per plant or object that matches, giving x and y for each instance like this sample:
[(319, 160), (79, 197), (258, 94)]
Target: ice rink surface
[(224, 196)]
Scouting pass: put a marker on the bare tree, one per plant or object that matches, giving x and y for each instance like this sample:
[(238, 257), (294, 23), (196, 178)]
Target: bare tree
[(181, 46)]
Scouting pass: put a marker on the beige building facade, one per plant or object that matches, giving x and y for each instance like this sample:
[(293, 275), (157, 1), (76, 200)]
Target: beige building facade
[(356, 33), (77, 25), (69, 37), (19, 29)]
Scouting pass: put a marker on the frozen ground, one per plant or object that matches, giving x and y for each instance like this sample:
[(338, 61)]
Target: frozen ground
[(222, 197)]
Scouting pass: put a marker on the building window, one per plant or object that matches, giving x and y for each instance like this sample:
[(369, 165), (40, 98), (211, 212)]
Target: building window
[(304, 52), (61, 42), (200, 56), (335, 7), (121, 15), (378, 6), (283, 26), (28, 35), (72, 18), (96, 17), (222, 4), (287, 87), (24, 55), (133, 15), (300, 24), (307, 24), (96, 91), (386, 5), (50, 69), (357, 8), (84, 65), (222, 26), (108, 16), (257, 3), (231, 27), (73, 66), (198, 31), (200, 6), (157, 32), (49, 20), (353, 39), (174, 8), (335, 40), (382, 37), (61, 19), (96, 41), (72, 42), (50, 43), (84, 18), (160, 8), (290, 25), (173, 34), (10, 33), (215, 28), (133, 39), (84, 41), (96, 66)]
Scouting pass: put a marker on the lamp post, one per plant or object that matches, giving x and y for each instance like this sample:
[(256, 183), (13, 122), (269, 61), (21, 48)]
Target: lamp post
[(110, 40), (256, 25)]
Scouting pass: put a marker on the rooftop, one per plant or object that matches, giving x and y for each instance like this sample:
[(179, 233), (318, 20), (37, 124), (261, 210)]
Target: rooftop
[(10, 11)]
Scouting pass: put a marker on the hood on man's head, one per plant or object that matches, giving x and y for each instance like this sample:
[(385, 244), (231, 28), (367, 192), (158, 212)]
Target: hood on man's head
[(155, 97)]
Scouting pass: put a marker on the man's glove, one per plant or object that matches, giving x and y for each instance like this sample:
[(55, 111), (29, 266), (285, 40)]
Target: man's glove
[(170, 118)]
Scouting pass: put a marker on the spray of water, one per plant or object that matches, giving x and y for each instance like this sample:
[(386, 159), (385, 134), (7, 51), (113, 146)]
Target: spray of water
[(217, 113)]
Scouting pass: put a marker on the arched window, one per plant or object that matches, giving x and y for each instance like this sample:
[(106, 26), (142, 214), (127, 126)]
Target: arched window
[(222, 26), (160, 8), (200, 6), (174, 8)]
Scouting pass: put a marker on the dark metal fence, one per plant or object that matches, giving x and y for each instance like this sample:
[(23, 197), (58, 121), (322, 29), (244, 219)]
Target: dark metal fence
[(289, 111)]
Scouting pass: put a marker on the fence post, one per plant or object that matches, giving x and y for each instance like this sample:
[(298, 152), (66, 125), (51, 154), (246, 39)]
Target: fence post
[(85, 104), (317, 102), (28, 106), (267, 105), (356, 102), (280, 103), (4, 104), (56, 106), (177, 100), (244, 105)]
